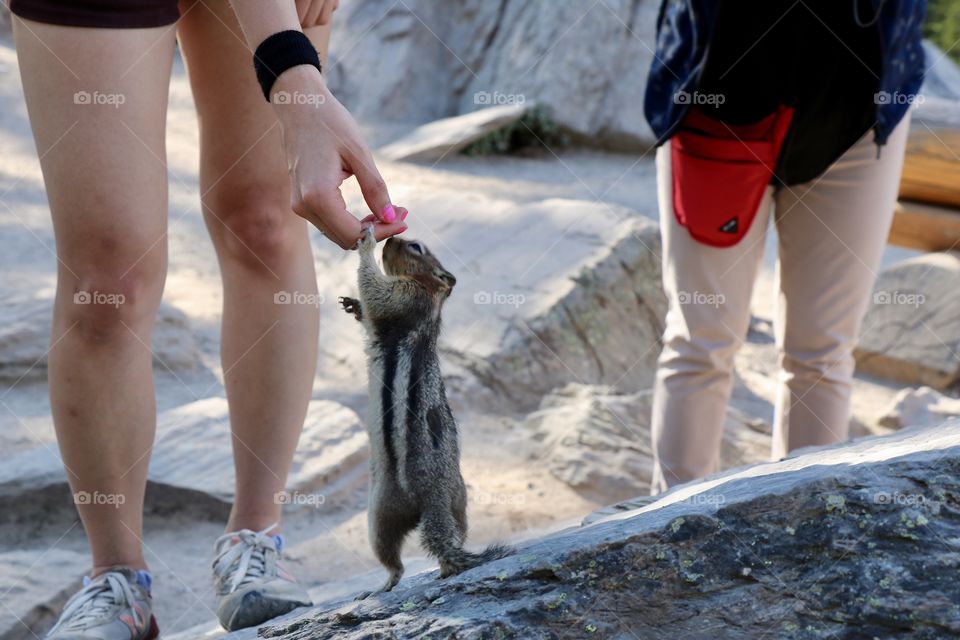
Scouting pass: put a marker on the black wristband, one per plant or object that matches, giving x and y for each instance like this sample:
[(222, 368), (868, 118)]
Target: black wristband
[(278, 53)]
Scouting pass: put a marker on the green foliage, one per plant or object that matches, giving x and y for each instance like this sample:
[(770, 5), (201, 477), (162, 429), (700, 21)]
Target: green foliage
[(535, 130), (943, 26)]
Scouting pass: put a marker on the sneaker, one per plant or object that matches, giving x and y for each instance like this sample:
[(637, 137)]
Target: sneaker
[(115, 605), (250, 582)]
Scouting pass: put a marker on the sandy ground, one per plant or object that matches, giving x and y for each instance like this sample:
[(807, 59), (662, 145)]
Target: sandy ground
[(512, 497)]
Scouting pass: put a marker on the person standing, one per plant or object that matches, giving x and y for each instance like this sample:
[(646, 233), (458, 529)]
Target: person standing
[(795, 112), (104, 168)]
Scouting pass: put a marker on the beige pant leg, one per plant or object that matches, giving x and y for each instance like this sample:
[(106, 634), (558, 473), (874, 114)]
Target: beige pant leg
[(708, 290), (832, 233)]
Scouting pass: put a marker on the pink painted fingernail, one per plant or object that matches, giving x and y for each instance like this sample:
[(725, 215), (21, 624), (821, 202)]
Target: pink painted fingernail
[(402, 229), (389, 214), (403, 216)]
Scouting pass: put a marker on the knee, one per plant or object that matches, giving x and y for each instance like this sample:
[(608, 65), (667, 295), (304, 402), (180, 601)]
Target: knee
[(699, 351), (108, 302), (826, 360), (254, 227)]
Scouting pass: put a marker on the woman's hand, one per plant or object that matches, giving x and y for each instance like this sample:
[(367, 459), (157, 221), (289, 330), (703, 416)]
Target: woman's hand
[(324, 147), (315, 12)]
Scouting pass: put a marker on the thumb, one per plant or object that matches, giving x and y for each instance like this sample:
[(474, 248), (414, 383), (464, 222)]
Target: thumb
[(374, 190)]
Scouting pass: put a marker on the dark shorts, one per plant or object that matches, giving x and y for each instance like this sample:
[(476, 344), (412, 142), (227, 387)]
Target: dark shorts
[(108, 14)]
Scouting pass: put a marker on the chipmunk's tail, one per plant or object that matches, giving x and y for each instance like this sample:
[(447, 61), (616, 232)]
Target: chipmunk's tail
[(442, 538), (458, 559)]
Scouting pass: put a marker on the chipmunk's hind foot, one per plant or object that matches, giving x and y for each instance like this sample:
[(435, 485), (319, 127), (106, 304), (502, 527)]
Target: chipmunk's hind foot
[(391, 582)]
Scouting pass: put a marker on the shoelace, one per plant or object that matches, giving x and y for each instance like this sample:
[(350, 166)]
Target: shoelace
[(251, 549), (95, 601)]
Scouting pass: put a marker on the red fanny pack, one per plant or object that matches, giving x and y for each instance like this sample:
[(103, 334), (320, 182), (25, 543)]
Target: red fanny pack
[(720, 173)]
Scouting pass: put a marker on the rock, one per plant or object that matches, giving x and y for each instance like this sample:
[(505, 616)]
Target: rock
[(421, 60), (941, 78), (330, 459), (605, 328), (435, 140), (25, 339), (192, 458), (919, 407), (32, 599), (856, 540), (598, 441), (910, 333)]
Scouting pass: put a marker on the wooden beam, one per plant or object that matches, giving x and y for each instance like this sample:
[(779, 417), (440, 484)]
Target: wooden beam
[(931, 168), (925, 227)]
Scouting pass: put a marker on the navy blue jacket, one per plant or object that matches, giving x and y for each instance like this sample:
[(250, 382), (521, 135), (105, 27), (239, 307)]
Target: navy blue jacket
[(685, 29)]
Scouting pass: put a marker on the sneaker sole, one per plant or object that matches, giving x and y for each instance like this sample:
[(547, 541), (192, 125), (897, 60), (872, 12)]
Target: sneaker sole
[(255, 609)]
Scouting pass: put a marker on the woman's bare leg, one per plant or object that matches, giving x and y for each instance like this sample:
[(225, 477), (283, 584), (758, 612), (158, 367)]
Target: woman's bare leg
[(97, 103), (268, 350)]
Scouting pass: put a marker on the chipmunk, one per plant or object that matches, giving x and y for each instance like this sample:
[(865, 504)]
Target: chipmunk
[(414, 448)]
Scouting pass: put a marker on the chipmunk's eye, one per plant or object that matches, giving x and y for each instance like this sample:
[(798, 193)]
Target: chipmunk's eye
[(416, 247)]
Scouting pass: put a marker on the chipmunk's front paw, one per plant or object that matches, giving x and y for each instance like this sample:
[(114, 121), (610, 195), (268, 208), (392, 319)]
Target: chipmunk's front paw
[(352, 306), (368, 241)]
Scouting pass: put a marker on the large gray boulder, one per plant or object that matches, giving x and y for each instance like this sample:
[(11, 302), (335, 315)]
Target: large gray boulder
[(856, 540), (436, 140), (605, 328), (192, 462), (941, 78), (25, 339), (598, 441), (910, 333), (420, 60), (32, 597)]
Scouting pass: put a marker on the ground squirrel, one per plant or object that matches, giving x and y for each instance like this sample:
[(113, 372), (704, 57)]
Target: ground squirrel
[(414, 448)]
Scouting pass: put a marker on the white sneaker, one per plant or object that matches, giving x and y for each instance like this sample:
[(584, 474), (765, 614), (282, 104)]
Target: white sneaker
[(250, 582), (115, 605)]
